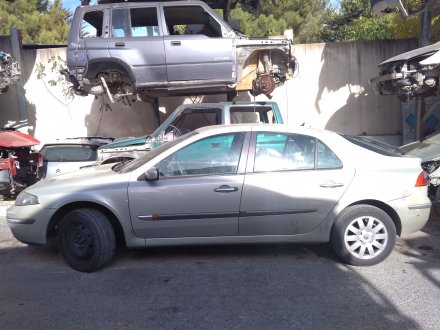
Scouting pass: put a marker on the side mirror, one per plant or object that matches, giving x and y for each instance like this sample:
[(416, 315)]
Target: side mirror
[(152, 174)]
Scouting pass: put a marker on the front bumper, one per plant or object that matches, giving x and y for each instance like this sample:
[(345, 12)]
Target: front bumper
[(29, 223)]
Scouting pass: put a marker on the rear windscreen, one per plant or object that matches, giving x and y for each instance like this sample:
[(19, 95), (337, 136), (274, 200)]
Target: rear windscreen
[(376, 146), (69, 153)]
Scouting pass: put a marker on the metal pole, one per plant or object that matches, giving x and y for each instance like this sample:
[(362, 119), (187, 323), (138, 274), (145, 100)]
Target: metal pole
[(16, 54), (425, 27)]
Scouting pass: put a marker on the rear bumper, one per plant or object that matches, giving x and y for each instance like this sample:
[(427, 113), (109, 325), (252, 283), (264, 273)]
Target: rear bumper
[(413, 216)]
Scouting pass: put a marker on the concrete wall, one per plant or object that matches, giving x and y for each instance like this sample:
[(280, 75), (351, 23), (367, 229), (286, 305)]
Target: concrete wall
[(330, 90)]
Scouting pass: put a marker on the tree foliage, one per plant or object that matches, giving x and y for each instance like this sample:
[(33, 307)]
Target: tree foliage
[(305, 17), (355, 20), (40, 21)]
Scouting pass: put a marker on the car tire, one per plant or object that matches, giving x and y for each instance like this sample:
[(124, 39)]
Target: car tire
[(363, 235), (87, 239)]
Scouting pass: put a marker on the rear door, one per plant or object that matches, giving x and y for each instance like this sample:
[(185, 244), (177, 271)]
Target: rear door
[(92, 36), (136, 40), (291, 185), (195, 47)]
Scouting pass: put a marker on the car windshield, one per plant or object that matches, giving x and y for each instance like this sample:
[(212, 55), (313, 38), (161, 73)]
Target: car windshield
[(376, 146), (136, 163)]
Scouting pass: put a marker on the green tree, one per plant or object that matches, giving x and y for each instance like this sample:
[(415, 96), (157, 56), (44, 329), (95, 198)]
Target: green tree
[(39, 21), (305, 17), (355, 20)]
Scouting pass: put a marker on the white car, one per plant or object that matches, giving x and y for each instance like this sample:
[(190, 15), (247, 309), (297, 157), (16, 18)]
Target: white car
[(232, 184), (70, 155)]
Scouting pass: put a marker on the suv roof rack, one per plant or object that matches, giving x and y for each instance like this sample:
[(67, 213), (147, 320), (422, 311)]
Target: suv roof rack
[(252, 6)]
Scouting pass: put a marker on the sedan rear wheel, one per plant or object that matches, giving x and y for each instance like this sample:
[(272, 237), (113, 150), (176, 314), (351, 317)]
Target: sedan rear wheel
[(87, 239), (363, 235)]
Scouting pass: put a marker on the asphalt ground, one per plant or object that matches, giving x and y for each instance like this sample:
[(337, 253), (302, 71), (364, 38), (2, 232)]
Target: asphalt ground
[(276, 286)]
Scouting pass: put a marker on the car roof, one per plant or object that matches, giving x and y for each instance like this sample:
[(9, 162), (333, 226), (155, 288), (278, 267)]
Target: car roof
[(70, 142), (264, 127)]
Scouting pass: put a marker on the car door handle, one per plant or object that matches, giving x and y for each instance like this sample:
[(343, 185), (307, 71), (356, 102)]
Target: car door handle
[(331, 184), (175, 43), (119, 44), (225, 189)]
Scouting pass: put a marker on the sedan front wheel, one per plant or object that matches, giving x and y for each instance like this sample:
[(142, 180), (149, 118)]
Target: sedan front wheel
[(87, 239), (363, 235)]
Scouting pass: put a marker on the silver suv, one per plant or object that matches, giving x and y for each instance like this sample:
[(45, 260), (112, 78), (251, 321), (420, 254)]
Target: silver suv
[(169, 48)]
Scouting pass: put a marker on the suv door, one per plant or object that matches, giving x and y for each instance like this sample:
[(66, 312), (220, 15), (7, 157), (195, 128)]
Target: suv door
[(136, 39), (196, 46), (91, 36)]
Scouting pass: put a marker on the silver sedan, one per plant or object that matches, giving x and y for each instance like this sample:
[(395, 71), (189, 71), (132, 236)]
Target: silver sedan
[(232, 184)]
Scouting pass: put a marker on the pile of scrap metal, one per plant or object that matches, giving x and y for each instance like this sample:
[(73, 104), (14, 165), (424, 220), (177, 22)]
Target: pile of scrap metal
[(411, 74), (19, 162), (415, 73), (9, 71)]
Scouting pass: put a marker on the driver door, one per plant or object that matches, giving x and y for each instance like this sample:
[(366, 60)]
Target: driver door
[(198, 192)]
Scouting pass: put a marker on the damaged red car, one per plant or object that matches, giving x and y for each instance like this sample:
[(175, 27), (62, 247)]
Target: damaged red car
[(19, 162)]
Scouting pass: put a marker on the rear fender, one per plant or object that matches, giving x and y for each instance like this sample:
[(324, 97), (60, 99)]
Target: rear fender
[(254, 62)]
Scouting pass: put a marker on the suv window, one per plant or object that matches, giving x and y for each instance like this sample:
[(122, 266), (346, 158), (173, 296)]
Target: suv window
[(91, 25), (136, 22), (191, 20), (252, 115), (190, 120)]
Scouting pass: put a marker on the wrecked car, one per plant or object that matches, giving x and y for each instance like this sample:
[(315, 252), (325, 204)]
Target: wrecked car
[(428, 149), (187, 118), (70, 154), (9, 71), (411, 74), (169, 48), (19, 162)]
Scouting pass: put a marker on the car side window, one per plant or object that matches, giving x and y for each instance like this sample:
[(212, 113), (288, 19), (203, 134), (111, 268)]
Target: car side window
[(91, 25), (327, 158), (281, 152), (191, 20), (284, 152), (218, 154)]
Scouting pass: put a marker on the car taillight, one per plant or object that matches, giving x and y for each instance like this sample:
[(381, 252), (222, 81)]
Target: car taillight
[(40, 160), (422, 180)]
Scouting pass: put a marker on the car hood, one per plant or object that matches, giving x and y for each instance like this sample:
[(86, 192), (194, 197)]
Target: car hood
[(14, 139), (414, 53), (423, 150), (126, 142), (93, 183)]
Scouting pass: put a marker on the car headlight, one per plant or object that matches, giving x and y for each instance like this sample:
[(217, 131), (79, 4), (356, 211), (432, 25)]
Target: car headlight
[(24, 198)]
